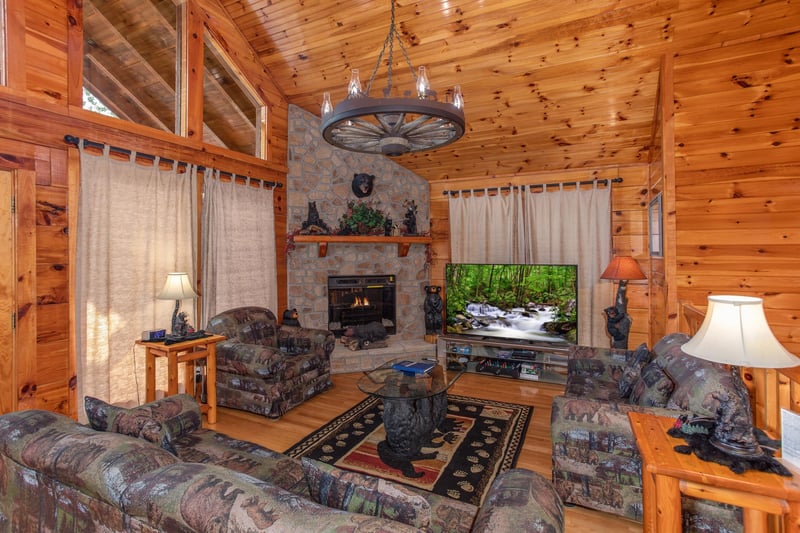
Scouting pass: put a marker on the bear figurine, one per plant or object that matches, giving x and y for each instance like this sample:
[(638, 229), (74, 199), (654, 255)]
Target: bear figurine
[(290, 318)]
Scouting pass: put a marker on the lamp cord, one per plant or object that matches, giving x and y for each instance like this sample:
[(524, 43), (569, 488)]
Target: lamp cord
[(136, 375)]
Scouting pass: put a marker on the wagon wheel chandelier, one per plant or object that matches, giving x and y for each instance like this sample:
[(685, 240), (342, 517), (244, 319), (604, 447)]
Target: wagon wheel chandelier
[(392, 126)]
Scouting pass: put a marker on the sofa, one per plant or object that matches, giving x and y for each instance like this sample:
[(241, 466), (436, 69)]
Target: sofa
[(267, 368), (154, 469), (596, 462)]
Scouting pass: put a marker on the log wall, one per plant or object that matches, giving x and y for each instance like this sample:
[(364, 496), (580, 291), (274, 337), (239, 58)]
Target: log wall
[(40, 104), (737, 188)]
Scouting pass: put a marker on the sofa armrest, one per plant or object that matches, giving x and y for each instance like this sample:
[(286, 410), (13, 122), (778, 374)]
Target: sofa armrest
[(596, 462), (520, 500), (572, 419), (603, 364), (244, 359), (198, 497), (611, 416), (295, 339)]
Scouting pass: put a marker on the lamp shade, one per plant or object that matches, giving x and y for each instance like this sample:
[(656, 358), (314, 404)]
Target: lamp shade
[(735, 332), (623, 267), (177, 287)]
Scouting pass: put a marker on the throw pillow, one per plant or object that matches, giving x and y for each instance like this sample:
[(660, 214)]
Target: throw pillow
[(702, 386), (630, 374), (653, 388), (359, 493), (159, 422), (668, 341), (106, 417)]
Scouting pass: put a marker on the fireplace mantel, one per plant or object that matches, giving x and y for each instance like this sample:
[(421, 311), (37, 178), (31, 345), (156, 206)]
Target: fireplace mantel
[(403, 242)]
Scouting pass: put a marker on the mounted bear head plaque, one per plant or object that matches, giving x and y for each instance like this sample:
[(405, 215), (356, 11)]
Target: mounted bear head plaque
[(362, 184)]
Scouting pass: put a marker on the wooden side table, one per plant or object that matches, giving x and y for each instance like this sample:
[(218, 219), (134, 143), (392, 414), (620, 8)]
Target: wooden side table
[(666, 474), (187, 352)]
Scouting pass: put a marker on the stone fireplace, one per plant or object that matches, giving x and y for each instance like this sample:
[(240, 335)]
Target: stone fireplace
[(319, 173)]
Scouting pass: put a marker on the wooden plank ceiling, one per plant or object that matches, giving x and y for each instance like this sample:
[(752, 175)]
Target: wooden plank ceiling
[(547, 84)]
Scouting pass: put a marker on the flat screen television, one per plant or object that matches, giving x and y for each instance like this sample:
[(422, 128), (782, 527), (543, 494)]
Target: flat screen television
[(533, 303)]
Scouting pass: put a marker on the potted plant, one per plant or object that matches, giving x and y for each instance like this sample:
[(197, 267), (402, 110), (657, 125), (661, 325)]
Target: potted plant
[(362, 219)]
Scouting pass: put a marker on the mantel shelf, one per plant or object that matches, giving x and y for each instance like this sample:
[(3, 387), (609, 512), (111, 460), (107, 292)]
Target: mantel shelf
[(403, 242)]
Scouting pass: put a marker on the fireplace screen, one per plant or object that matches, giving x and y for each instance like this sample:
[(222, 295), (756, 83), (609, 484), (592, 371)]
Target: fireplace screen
[(354, 300)]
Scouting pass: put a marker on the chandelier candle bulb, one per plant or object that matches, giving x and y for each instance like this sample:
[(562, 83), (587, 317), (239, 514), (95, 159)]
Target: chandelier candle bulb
[(423, 85), (458, 98), (354, 87), (327, 107)]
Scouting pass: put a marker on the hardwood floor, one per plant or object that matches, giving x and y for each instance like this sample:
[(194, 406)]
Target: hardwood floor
[(536, 453)]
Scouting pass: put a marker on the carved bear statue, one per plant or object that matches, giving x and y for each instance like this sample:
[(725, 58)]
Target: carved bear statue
[(290, 318), (433, 310)]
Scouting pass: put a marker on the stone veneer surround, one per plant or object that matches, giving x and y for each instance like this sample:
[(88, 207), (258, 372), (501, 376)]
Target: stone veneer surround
[(318, 172)]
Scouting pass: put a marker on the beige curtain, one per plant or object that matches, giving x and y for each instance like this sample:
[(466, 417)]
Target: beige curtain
[(238, 246), (134, 226), (487, 228), (574, 227)]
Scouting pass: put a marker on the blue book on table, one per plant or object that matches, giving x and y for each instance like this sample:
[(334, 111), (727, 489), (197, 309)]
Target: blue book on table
[(414, 367)]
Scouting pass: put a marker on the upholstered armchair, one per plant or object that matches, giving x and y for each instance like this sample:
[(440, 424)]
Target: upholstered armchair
[(267, 368)]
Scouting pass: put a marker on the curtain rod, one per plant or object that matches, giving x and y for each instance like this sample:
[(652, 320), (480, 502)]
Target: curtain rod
[(71, 139), (510, 187)]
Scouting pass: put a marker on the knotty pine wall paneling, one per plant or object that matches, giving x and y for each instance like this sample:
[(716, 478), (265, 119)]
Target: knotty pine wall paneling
[(38, 373), (8, 281), (737, 188), (657, 277), (628, 225), (38, 107)]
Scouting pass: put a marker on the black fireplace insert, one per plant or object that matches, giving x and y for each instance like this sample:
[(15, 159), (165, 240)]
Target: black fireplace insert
[(354, 300)]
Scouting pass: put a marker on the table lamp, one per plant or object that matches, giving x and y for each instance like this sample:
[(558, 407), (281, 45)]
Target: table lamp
[(735, 332), (177, 287), (621, 268)]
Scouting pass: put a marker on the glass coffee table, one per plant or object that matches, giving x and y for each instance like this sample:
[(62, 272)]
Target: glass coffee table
[(414, 411)]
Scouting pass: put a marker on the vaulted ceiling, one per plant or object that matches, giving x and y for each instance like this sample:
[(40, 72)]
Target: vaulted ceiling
[(548, 84)]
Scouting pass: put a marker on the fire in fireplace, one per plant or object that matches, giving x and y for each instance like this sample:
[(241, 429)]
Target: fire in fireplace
[(354, 300)]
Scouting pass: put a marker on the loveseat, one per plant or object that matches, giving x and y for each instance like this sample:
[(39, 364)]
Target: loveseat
[(153, 468), (596, 463), (267, 368)]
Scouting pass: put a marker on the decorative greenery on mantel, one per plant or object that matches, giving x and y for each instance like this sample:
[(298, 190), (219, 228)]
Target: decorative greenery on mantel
[(363, 222), (361, 218)]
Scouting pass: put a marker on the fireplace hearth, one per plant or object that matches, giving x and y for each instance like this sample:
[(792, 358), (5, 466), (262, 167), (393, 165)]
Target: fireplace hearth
[(355, 300)]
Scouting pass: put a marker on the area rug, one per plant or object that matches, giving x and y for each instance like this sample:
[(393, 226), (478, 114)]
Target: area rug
[(487, 441)]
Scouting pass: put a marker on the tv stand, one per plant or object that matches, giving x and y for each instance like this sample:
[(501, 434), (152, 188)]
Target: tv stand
[(519, 359)]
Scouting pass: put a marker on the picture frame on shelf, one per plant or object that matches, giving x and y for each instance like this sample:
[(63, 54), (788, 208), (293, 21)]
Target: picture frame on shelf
[(655, 224)]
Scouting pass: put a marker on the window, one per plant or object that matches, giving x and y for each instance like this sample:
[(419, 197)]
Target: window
[(129, 59), (91, 103), (230, 112), (130, 71)]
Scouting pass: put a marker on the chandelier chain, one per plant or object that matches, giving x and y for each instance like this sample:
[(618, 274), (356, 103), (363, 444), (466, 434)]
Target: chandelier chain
[(389, 41), (392, 126)]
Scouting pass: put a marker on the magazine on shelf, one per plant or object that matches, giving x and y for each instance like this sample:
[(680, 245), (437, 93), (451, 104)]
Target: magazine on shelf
[(414, 367)]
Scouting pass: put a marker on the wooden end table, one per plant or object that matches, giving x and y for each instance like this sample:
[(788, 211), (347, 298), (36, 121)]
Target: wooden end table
[(188, 352), (667, 474)]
